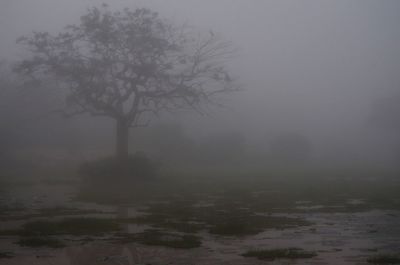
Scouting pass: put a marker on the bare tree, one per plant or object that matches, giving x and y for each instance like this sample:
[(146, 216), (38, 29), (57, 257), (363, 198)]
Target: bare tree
[(128, 66)]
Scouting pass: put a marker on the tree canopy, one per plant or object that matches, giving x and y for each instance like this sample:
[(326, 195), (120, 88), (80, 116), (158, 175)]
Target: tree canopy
[(129, 65)]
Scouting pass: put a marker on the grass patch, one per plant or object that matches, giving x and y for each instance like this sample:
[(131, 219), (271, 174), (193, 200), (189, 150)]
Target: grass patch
[(6, 255), (37, 242), (10, 232), (67, 226), (251, 224), (6, 210), (284, 253), (60, 211), (155, 237), (222, 218), (384, 259), (166, 221), (54, 212), (273, 191)]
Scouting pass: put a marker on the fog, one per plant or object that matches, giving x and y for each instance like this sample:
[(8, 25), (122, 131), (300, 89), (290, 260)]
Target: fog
[(314, 68), (234, 131)]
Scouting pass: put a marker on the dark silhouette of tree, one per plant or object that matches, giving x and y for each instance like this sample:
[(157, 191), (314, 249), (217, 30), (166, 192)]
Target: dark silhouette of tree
[(129, 66)]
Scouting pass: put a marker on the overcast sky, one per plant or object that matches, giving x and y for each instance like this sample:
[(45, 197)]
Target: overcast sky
[(312, 66)]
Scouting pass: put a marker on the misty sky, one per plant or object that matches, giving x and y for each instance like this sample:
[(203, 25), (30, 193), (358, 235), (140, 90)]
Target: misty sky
[(311, 66)]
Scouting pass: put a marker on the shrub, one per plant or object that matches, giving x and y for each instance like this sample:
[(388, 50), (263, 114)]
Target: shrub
[(37, 242), (111, 180), (107, 170)]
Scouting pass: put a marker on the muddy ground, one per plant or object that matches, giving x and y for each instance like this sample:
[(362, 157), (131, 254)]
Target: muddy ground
[(342, 226)]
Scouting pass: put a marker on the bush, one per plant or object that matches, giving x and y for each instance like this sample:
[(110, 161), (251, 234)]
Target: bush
[(109, 172), (36, 242)]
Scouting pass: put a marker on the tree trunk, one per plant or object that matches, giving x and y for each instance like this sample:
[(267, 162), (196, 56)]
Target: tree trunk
[(122, 134)]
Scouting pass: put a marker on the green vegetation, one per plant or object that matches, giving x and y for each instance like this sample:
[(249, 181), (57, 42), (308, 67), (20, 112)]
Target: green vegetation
[(106, 171), (6, 255), (63, 211), (67, 226), (284, 253), (253, 224), (274, 191), (384, 259), (238, 206), (52, 212), (221, 218), (177, 209), (167, 222), (72, 226), (6, 211), (109, 180), (37, 242), (40, 233), (155, 237)]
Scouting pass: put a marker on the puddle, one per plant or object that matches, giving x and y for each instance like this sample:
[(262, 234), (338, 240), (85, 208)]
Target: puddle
[(338, 238)]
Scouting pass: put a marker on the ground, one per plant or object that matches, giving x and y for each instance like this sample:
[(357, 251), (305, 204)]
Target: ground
[(348, 219)]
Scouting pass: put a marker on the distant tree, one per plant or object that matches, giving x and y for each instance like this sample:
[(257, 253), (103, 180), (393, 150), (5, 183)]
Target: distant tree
[(128, 66)]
